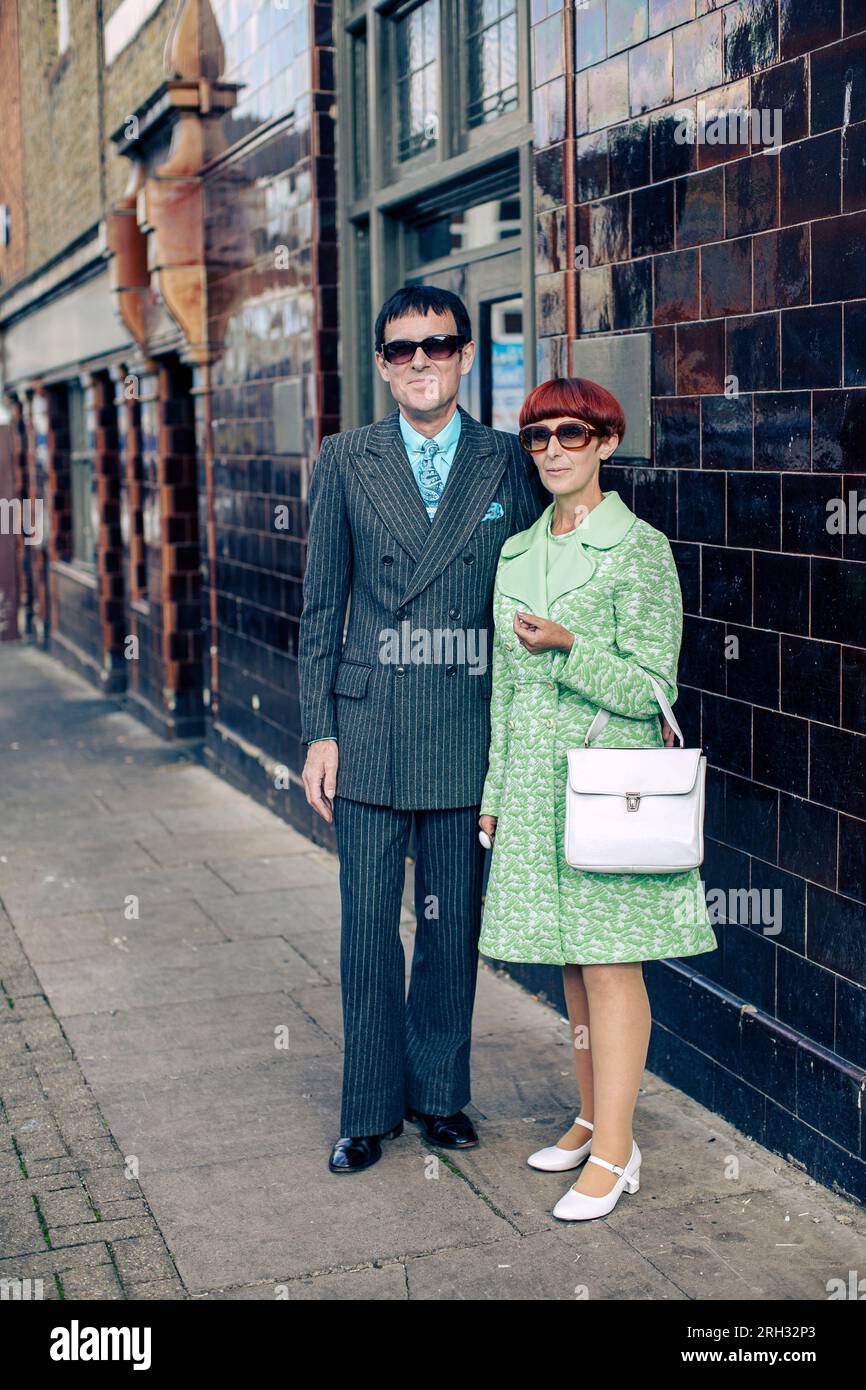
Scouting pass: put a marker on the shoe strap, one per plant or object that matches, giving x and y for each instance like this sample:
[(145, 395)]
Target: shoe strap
[(587, 1124), (604, 1163)]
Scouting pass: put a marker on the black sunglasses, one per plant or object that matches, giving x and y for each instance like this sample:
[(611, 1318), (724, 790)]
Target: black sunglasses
[(438, 348), (534, 438)]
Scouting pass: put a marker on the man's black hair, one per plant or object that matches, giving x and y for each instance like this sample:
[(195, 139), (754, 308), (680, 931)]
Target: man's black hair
[(419, 299)]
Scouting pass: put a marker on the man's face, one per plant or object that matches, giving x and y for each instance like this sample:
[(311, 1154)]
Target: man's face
[(422, 385)]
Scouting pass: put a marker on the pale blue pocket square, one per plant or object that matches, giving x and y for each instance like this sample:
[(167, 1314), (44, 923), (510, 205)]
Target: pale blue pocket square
[(494, 512)]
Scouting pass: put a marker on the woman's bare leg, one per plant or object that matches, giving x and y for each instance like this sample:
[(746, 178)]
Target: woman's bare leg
[(620, 1022), (578, 1018)]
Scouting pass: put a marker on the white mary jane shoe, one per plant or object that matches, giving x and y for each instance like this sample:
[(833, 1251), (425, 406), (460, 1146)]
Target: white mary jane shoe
[(556, 1160), (577, 1206)]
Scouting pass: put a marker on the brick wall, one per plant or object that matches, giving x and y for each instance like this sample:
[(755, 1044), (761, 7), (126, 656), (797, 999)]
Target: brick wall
[(63, 166), (133, 74), (12, 257)]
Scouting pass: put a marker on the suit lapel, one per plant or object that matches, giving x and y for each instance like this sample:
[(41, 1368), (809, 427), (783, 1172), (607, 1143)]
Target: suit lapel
[(475, 473), (385, 473)]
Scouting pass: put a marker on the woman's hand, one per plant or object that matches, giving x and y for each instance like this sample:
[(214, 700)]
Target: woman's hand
[(488, 825), (668, 734), (537, 635)]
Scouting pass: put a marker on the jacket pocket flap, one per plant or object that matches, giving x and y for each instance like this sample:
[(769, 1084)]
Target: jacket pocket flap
[(650, 771), (351, 678)]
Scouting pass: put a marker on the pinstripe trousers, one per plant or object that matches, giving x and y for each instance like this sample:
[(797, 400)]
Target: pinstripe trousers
[(406, 1050)]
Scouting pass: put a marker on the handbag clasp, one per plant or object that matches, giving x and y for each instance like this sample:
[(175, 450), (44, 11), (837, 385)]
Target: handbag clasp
[(632, 801)]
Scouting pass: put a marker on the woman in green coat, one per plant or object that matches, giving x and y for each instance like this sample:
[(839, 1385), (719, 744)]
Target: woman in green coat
[(586, 602)]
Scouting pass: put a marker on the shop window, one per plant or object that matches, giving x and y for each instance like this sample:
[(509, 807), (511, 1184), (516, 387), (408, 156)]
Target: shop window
[(464, 229), (81, 479), (491, 59), (416, 49)]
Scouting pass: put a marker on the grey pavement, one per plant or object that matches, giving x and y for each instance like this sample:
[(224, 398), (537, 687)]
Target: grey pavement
[(170, 1048)]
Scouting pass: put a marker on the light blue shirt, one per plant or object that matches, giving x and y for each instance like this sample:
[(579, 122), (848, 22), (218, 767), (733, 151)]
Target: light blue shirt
[(447, 439)]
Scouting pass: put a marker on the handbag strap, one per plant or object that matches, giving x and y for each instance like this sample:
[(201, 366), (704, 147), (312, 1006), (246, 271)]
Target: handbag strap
[(603, 716)]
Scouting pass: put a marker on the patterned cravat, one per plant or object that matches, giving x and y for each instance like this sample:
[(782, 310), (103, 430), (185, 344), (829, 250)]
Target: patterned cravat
[(432, 485)]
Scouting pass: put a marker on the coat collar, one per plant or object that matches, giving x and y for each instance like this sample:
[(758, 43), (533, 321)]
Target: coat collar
[(522, 572)]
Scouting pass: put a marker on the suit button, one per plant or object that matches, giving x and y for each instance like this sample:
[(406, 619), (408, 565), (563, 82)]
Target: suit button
[(469, 559), (451, 670), (401, 613), (387, 559), (399, 670), (453, 612)]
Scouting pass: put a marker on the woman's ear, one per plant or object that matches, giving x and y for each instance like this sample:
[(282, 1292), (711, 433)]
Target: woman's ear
[(607, 446)]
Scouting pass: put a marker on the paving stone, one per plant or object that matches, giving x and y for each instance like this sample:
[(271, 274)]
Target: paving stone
[(339, 1222), (288, 871), (79, 935), (157, 1290), (275, 1107), (142, 1258), (179, 1039), (154, 888), (583, 1262), (748, 1245), (374, 1283), (172, 972)]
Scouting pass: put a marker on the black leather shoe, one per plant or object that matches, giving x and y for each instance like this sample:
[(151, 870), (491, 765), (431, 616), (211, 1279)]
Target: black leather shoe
[(449, 1131), (352, 1155)]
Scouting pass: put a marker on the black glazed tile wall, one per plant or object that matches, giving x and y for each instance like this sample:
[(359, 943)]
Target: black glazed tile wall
[(745, 260)]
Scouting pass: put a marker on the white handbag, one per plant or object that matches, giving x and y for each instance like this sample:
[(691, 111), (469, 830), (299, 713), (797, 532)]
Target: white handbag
[(635, 810)]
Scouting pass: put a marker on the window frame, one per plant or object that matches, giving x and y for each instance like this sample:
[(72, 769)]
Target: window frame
[(473, 135)]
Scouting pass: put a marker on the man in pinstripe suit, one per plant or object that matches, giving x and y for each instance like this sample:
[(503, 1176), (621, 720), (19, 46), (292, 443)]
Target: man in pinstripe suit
[(407, 519)]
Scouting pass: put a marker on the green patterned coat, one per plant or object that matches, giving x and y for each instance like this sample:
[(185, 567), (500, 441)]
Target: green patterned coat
[(615, 586)]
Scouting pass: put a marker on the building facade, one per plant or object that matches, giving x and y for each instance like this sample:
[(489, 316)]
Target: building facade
[(203, 206)]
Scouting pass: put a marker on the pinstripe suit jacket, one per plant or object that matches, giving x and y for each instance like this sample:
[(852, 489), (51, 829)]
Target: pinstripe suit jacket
[(412, 736)]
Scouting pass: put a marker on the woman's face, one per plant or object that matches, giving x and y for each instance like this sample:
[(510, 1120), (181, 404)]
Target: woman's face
[(570, 470)]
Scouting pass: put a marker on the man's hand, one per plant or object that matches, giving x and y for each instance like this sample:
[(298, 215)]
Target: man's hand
[(488, 825), (320, 776), (537, 635)]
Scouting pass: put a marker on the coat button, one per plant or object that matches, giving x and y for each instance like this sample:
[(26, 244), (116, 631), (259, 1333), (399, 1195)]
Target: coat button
[(549, 723), (399, 670), (469, 559), (387, 559), (451, 670), (511, 724)]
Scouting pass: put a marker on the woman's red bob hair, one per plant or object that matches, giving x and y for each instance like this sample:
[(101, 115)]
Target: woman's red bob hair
[(576, 396)]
